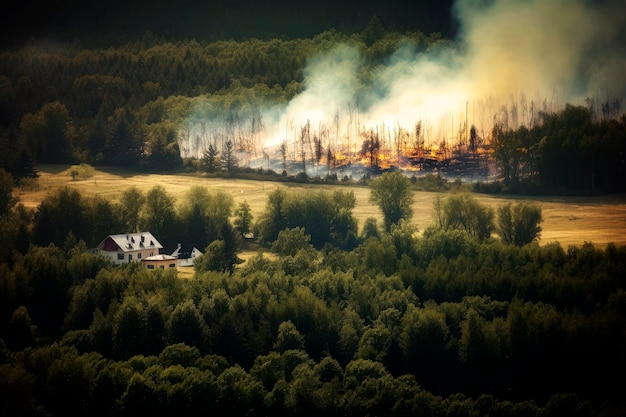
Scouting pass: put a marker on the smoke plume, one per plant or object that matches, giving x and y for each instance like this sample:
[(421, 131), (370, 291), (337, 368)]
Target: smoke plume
[(512, 60)]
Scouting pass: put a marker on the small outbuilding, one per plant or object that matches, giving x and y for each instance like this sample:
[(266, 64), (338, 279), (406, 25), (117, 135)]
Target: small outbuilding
[(161, 261), (185, 258)]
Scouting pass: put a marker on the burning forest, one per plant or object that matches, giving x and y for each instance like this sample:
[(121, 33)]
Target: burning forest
[(427, 110)]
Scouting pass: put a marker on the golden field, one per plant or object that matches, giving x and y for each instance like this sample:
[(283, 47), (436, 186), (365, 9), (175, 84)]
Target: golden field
[(567, 220)]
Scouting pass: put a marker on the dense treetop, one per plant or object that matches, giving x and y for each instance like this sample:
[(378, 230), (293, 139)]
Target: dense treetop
[(353, 322)]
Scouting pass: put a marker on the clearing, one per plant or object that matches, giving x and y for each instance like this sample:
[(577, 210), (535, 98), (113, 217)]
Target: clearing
[(567, 220)]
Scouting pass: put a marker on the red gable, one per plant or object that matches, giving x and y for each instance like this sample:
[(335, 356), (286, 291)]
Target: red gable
[(109, 245)]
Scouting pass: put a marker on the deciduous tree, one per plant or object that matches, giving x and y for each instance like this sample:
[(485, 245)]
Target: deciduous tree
[(158, 215), (392, 193), (464, 212), (519, 223), (131, 203)]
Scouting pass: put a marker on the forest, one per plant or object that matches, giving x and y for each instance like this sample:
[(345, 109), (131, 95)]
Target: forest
[(471, 317), (156, 105)]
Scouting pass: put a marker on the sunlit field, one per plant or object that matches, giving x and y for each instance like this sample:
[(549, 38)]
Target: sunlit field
[(567, 220)]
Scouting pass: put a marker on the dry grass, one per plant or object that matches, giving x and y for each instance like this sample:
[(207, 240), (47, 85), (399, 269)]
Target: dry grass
[(567, 220)]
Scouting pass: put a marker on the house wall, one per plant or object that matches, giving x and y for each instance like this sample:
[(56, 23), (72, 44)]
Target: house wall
[(135, 255), (160, 264), (185, 262)]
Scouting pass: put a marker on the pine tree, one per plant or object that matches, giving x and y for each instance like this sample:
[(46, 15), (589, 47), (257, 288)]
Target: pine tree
[(211, 159), (23, 166)]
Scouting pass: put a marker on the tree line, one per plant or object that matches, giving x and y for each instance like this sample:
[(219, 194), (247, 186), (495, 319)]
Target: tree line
[(456, 320), (125, 105), (573, 150)]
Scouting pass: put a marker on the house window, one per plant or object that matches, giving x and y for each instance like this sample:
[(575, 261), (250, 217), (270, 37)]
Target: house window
[(130, 257), (120, 256), (162, 267), (139, 255), (172, 265), (150, 266)]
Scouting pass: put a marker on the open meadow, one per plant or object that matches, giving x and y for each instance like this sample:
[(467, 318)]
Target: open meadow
[(567, 220)]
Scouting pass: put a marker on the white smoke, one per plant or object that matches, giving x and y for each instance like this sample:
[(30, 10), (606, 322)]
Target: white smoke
[(330, 85), (573, 49), (513, 59)]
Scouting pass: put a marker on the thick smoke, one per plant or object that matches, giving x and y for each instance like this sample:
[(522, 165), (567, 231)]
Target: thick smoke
[(512, 60), (570, 49)]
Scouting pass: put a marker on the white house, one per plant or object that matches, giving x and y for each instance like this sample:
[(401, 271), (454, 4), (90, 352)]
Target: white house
[(129, 247), (185, 258)]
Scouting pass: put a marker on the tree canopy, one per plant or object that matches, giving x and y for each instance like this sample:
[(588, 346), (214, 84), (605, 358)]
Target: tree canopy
[(392, 193)]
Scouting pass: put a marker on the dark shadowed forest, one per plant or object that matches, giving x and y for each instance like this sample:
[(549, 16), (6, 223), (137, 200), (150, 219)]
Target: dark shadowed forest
[(472, 317)]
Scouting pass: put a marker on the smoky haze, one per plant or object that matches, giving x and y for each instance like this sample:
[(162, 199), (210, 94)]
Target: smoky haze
[(513, 59)]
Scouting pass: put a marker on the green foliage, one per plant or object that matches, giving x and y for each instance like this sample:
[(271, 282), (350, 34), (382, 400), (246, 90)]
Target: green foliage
[(204, 216), (158, 214), (464, 212), (163, 151), (82, 171), (288, 338), (221, 254), (431, 182), (131, 203), (378, 255), (571, 150), (7, 200), (211, 160), (187, 326), (243, 218), (21, 330), (179, 354), (424, 341), (60, 213), (46, 133), (403, 324), (518, 224), (290, 241), (392, 193), (326, 217), (130, 329)]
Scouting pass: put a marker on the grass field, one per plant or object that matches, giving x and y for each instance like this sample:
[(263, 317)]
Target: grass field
[(567, 220)]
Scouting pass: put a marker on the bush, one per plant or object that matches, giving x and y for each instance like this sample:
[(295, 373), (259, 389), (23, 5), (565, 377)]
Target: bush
[(28, 184), (82, 171)]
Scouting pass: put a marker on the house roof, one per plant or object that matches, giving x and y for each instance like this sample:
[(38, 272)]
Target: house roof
[(182, 254), (130, 242), (160, 257)]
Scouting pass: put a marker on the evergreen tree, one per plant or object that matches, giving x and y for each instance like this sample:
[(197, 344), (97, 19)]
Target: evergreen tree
[(23, 166), (7, 201), (229, 159), (211, 159), (243, 218)]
